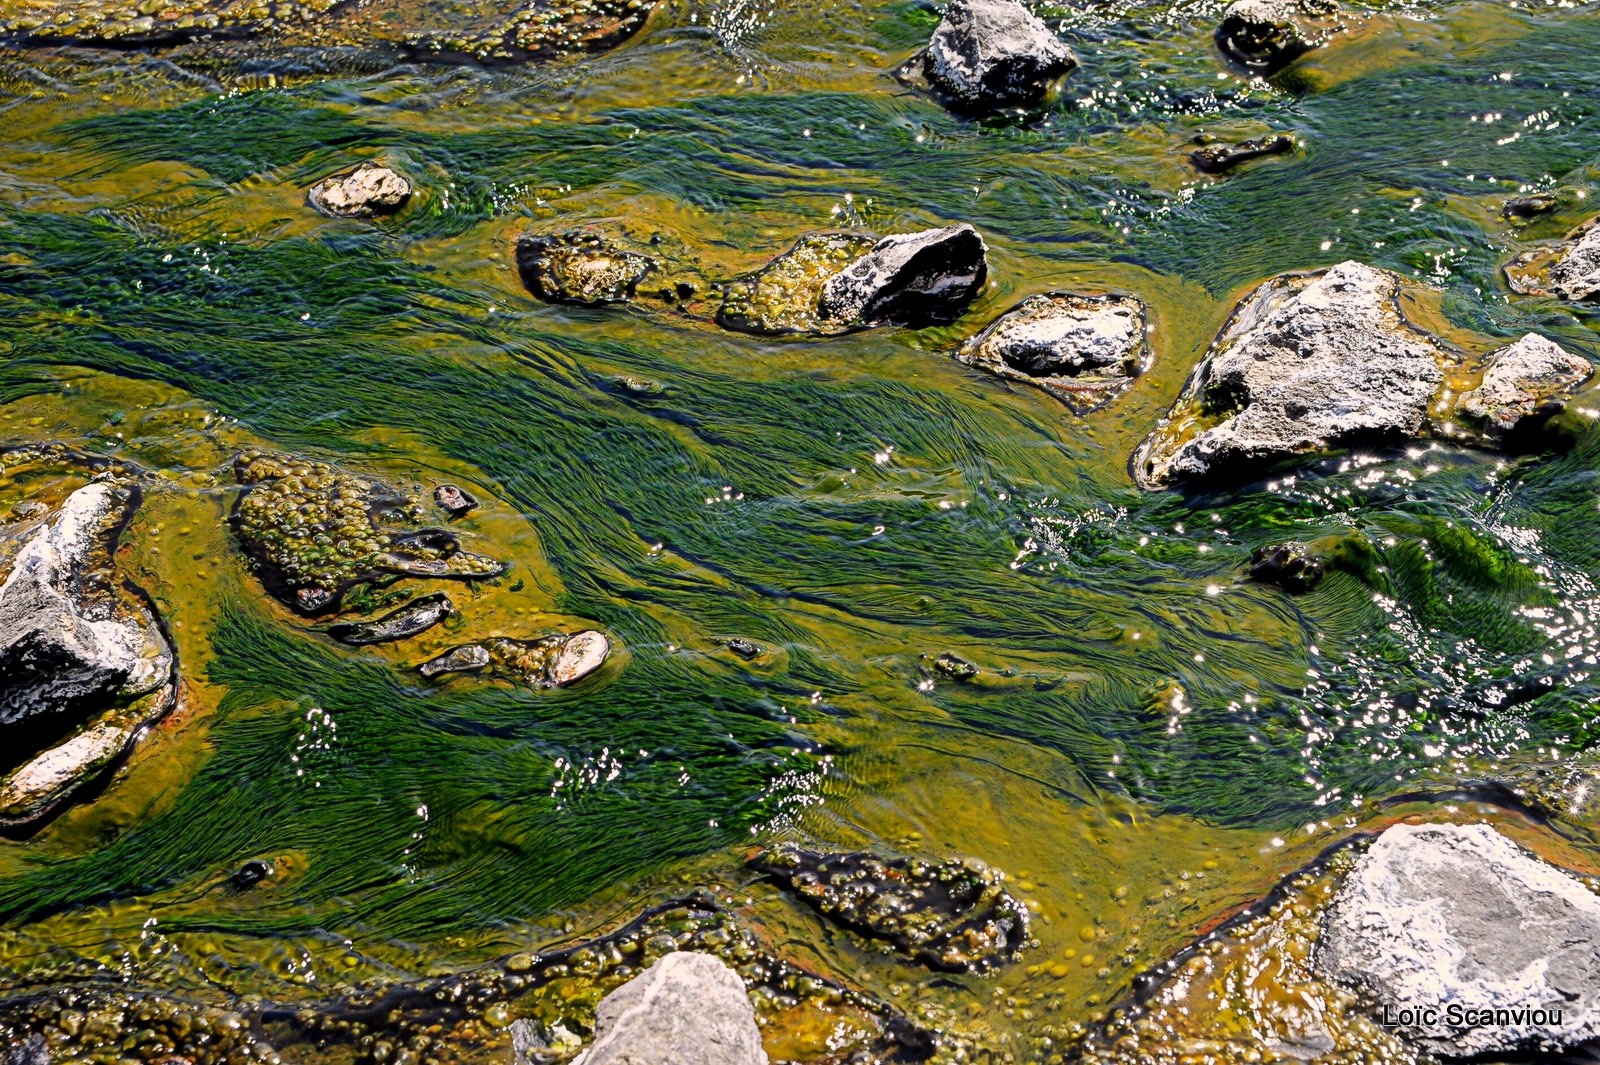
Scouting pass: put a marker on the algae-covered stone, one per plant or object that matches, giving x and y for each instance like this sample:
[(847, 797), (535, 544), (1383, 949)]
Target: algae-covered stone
[(84, 664), (583, 268), (367, 191), (315, 531), (1307, 363), (1267, 35), (413, 619), (1083, 349), (989, 53), (952, 915), (784, 295), (547, 662), (1294, 567), (1217, 157)]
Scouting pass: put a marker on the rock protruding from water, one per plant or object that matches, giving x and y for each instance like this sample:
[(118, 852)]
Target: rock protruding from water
[(454, 500), (1218, 157), (413, 619), (1294, 567), (1082, 349), (1308, 363), (783, 296), (1576, 275), (686, 1009), (1264, 36), (952, 915), (991, 53), (1523, 382), (580, 267), (315, 531), (547, 662), (362, 193), (910, 279), (1458, 916), (83, 662)]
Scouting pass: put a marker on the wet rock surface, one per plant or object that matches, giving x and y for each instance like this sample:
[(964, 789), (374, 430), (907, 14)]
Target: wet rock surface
[(1218, 157), (1459, 915), (990, 53), (1569, 270), (686, 1009), (784, 296), (909, 279), (1307, 363), (365, 192), (1265, 36), (580, 267), (1533, 205), (548, 662), (314, 532), (416, 617), (1083, 349), (454, 500), (745, 649), (1293, 567), (955, 667), (1523, 382), (84, 664), (952, 915)]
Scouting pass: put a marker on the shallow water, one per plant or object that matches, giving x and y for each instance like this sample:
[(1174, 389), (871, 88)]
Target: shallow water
[(1153, 740)]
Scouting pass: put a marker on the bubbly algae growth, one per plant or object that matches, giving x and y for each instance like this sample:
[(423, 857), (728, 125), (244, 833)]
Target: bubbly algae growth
[(857, 596)]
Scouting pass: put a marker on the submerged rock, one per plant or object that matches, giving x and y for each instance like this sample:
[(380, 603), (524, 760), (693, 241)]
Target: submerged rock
[(1216, 157), (1307, 363), (1267, 35), (548, 662), (315, 531), (952, 915), (1531, 206), (989, 53), (686, 1009), (955, 667), (1082, 349), (454, 500), (784, 296), (579, 267), (1524, 382), (250, 874), (909, 279), (1458, 916), (1293, 567), (362, 193), (417, 616), (83, 662)]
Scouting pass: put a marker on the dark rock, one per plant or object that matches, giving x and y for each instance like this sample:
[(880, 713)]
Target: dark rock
[(784, 296), (745, 649), (582, 268), (1265, 36), (1221, 156), (911, 279), (1523, 382), (250, 874), (989, 53), (417, 616), (1531, 206), (314, 532), (547, 662), (362, 193), (1459, 915), (84, 665), (686, 1009), (454, 500), (1081, 349), (955, 668), (1308, 363), (1292, 567), (952, 915)]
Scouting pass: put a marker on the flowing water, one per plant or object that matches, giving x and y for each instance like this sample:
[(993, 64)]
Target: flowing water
[(1152, 741)]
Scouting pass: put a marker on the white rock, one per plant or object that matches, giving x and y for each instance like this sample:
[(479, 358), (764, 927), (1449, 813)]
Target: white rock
[(361, 193), (582, 654), (994, 52), (1520, 378), (686, 1009)]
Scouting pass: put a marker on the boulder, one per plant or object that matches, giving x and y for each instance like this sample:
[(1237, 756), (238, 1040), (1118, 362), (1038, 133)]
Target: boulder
[(414, 618), (909, 279), (686, 1009), (1459, 918), (362, 193), (1217, 157), (83, 662), (990, 53), (1308, 363), (1264, 36), (579, 267), (1576, 274), (1523, 381), (1082, 349)]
